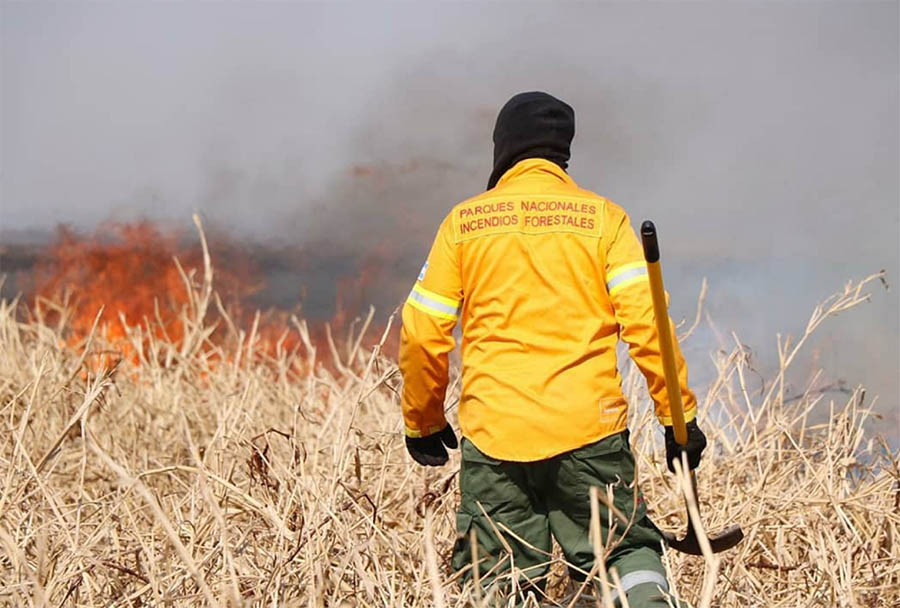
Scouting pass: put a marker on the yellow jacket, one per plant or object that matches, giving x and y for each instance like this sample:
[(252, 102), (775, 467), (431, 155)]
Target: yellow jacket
[(546, 277)]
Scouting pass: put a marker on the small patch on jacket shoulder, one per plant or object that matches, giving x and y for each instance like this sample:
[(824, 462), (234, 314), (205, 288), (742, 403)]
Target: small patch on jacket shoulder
[(422, 272)]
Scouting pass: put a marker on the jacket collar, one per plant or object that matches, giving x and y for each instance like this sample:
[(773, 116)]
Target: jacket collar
[(536, 168)]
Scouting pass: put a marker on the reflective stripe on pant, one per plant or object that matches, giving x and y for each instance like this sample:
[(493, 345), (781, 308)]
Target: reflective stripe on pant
[(640, 578), (515, 507)]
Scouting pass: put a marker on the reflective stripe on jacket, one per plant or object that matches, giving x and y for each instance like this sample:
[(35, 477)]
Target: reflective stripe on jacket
[(546, 278)]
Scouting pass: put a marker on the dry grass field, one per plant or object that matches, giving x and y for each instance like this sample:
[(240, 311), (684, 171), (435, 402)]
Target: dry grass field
[(231, 472)]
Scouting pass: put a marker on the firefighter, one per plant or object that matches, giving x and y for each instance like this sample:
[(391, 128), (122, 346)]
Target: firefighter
[(545, 278)]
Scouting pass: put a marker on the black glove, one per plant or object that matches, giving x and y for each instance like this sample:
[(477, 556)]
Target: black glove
[(696, 442), (430, 451)]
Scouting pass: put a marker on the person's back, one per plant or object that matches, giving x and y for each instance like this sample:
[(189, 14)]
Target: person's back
[(539, 331), (545, 277)]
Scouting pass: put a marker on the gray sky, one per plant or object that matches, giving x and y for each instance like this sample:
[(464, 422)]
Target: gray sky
[(761, 137)]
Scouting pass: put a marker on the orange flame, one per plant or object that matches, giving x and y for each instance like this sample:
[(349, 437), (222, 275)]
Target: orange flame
[(130, 271)]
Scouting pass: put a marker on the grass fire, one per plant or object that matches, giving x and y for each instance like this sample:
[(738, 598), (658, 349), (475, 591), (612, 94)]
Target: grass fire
[(138, 277), (162, 445)]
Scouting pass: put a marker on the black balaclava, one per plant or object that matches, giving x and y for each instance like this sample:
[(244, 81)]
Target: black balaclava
[(532, 125)]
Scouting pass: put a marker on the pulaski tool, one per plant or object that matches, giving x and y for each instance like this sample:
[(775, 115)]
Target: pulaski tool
[(690, 543)]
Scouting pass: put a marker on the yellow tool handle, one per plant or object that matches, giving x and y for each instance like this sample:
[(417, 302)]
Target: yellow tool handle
[(664, 330)]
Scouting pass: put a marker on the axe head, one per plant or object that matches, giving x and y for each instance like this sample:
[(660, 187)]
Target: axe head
[(690, 544)]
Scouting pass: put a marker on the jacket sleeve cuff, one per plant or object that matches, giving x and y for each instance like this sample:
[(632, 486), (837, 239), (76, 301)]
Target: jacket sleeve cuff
[(688, 416), (417, 433)]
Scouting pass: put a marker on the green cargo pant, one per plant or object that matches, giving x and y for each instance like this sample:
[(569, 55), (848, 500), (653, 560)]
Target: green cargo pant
[(526, 502)]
